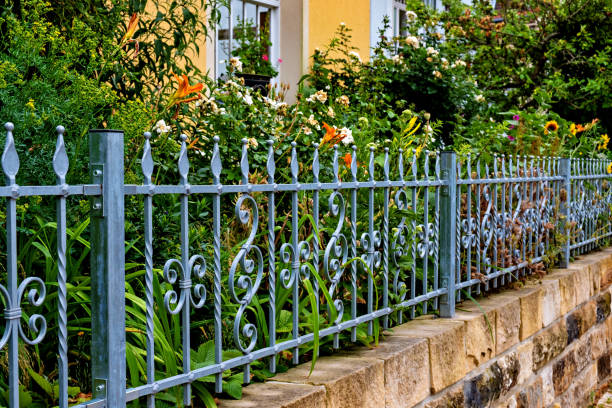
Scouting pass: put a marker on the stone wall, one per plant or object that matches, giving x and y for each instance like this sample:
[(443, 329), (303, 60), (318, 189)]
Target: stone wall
[(545, 345)]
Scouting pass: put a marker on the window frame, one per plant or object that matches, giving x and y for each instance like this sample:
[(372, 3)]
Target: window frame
[(274, 7)]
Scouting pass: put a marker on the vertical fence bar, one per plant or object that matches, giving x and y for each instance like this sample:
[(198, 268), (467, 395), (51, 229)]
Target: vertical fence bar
[(372, 240), (271, 168), (565, 172), (385, 239), (315, 217), (108, 268), (448, 208), (353, 233), (147, 172), (216, 168), (295, 266), (60, 166), (10, 166)]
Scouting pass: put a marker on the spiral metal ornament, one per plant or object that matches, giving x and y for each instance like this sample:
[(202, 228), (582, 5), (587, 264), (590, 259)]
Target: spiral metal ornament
[(196, 294), (336, 251), (37, 323), (468, 239), (250, 260)]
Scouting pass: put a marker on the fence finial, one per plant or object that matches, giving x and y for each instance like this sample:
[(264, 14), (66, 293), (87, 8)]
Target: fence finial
[(183, 162), (315, 163), (60, 158), (147, 159), (244, 161), (271, 165), (294, 163), (215, 163), (10, 158)]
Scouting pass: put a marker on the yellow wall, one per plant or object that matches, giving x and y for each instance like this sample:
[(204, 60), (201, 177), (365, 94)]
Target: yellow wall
[(325, 16)]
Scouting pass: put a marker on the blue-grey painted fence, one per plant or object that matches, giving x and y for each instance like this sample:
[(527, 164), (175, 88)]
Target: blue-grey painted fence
[(464, 228)]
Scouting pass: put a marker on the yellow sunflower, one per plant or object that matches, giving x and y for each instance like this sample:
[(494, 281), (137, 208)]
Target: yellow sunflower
[(551, 126), (573, 129), (603, 142)]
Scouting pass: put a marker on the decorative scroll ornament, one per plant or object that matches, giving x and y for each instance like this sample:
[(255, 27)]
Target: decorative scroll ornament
[(36, 322), (173, 269), (399, 244), (336, 252)]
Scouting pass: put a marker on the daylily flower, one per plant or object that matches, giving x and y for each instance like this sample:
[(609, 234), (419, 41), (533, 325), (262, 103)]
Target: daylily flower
[(181, 95), (131, 29), (347, 159), (332, 135)]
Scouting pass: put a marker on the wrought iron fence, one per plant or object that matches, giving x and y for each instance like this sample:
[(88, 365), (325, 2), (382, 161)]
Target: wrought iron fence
[(432, 230)]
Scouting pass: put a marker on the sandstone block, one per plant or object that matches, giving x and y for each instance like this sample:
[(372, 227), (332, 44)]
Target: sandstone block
[(567, 290), (531, 396), (551, 301), (487, 387), (450, 398), (507, 322), (531, 311), (446, 340), (582, 352), (525, 357), (582, 280), (548, 390), (348, 382), (580, 320), (480, 341), (563, 372), (406, 369), (579, 393), (278, 395), (548, 344), (599, 342), (603, 306)]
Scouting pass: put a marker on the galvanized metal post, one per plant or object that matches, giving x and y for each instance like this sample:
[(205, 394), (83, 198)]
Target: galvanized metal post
[(565, 170), (108, 268), (448, 225)]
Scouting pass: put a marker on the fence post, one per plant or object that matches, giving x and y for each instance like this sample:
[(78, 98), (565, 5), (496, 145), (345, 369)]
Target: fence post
[(448, 220), (108, 268), (565, 170)]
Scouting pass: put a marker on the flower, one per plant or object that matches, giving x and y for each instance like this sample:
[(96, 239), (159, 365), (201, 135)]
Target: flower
[(280, 60), (252, 142), (320, 96), (265, 57), (355, 55), (236, 64), (330, 112), (342, 23), (610, 168), (348, 159), (516, 117), (444, 63), (131, 29), (431, 51), (459, 63), (343, 100), (437, 74), (551, 126), (346, 135), (396, 59), (479, 98), (161, 127), (413, 41), (572, 129), (181, 95), (247, 99), (411, 16), (307, 130), (604, 140)]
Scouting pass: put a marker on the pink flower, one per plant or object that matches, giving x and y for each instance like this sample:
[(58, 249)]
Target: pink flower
[(511, 138), (280, 60), (511, 127), (516, 117), (265, 57)]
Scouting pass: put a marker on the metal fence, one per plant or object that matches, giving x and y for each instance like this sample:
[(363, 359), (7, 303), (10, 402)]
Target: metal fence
[(432, 231)]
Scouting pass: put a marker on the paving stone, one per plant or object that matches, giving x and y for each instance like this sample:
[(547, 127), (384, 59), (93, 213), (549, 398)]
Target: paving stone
[(406, 369), (278, 395), (348, 382), (549, 343), (531, 311), (563, 372), (446, 340)]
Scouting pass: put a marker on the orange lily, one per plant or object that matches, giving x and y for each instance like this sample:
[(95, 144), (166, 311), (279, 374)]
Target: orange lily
[(348, 159), (131, 29), (331, 135), (181, 95)]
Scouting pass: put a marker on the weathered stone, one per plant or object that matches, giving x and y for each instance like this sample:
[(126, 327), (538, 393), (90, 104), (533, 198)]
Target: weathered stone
[(450, 398), (582, 385), (551, 301), (599, 342), (580, 320), (605, 273), (348, 382), (524, 353), (446, 340), (549, 343), (548, 390), (480, 343), (278, 395), (510, 367), (485, 388), (531, 312), (563, 372), (603, 306), (531, 396), (567, 290), (406, 369), (582, 352), (507, 322), (582, 281), (603, 367)]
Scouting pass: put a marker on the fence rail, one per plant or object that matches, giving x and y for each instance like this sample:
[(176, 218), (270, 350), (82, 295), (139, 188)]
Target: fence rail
[(370, 251)]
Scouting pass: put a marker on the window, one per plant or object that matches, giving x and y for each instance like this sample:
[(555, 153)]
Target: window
[(395, 10), (398, 22), (263, 14)]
